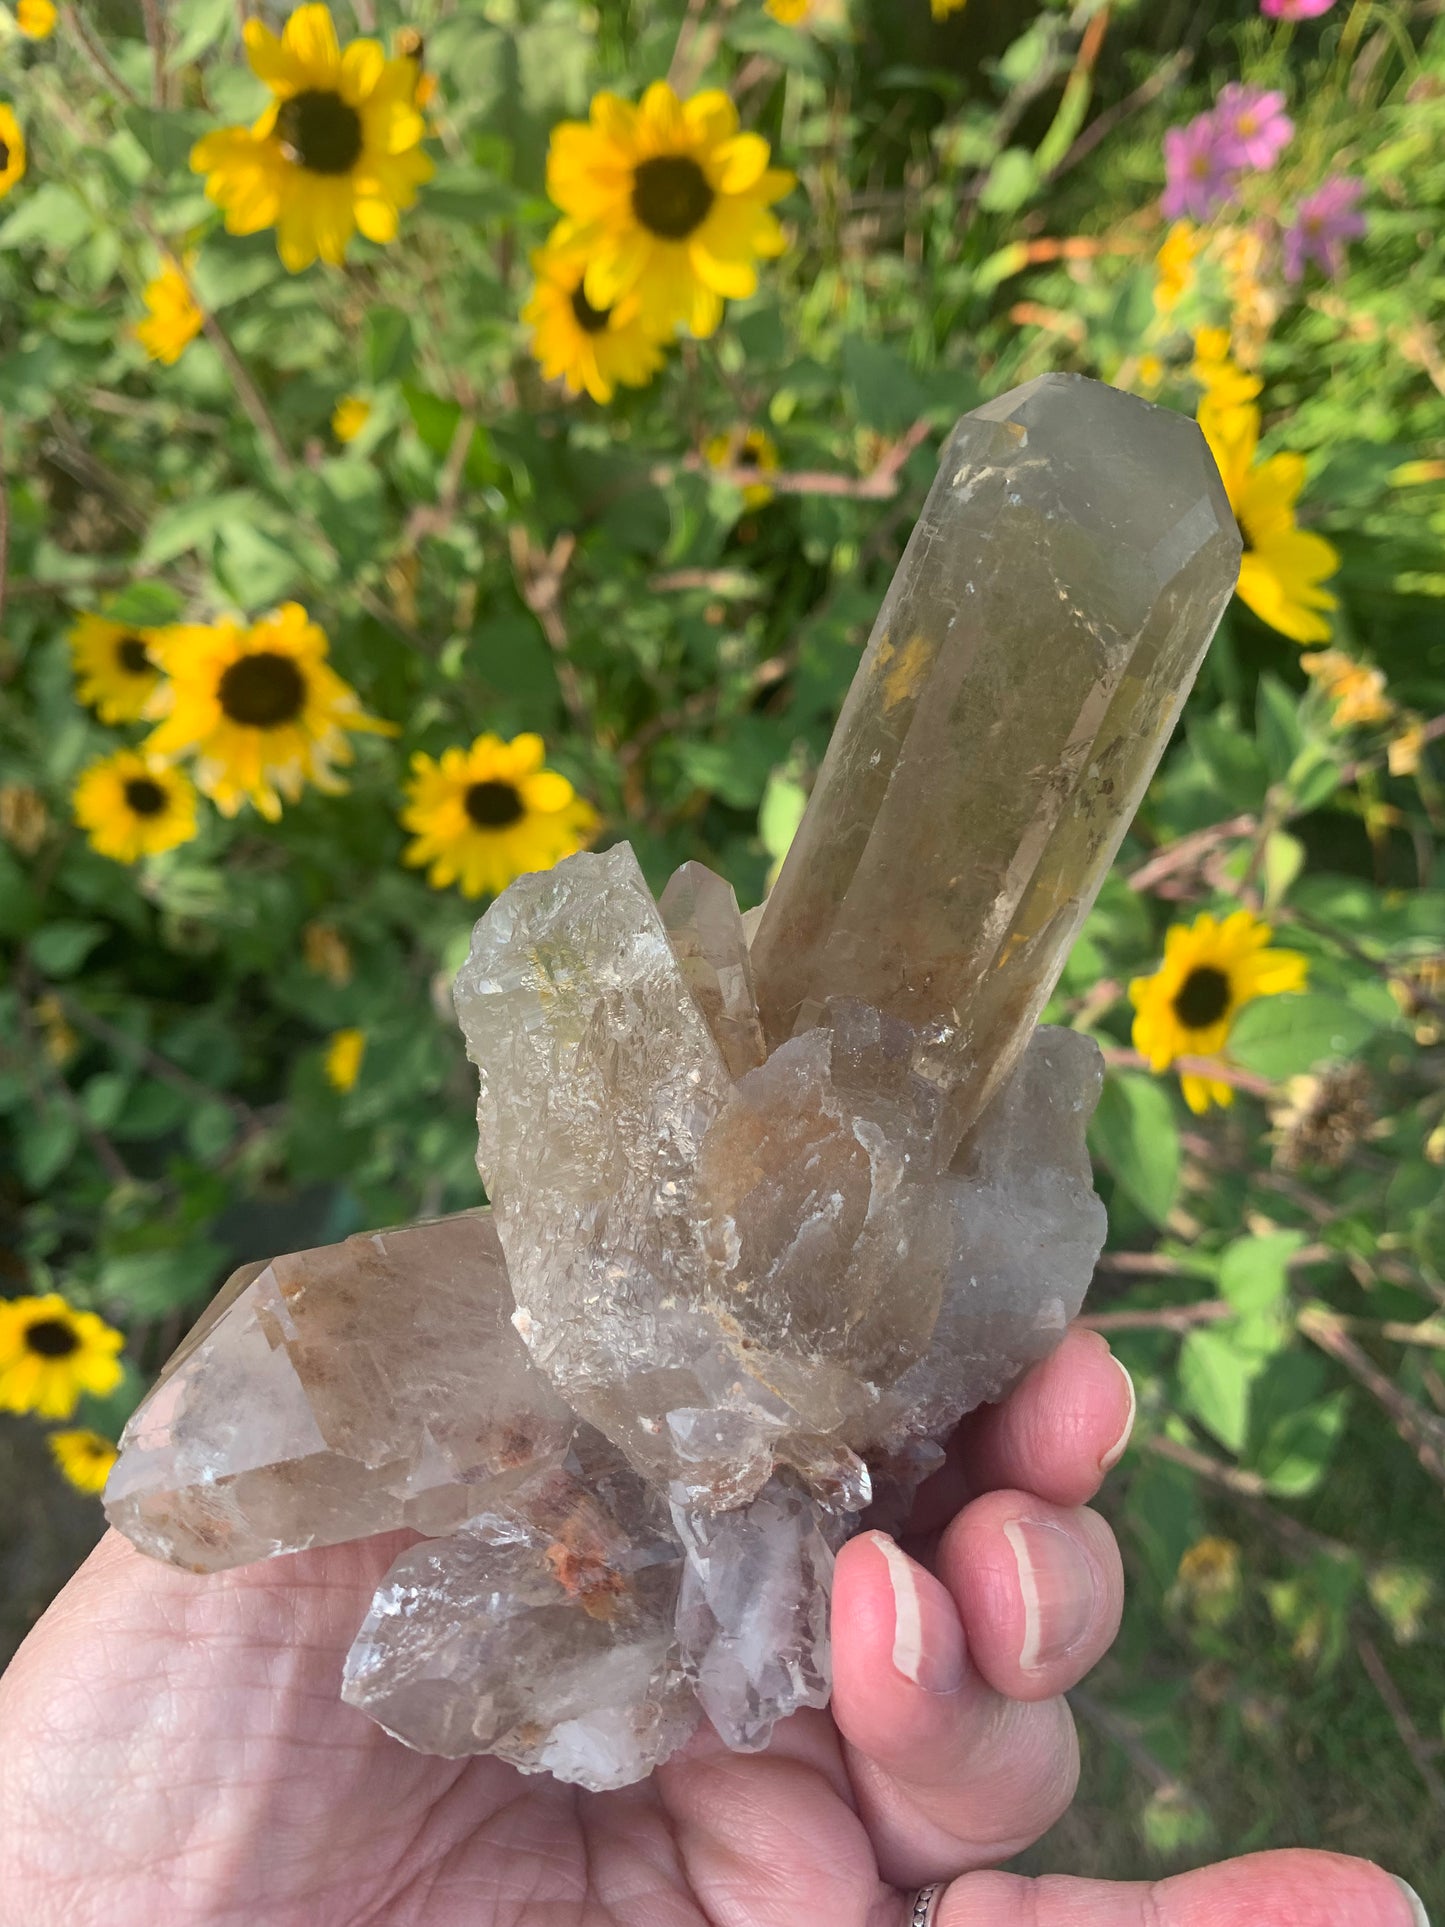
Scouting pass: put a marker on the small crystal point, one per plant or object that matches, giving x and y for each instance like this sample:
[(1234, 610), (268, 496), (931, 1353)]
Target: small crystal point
[(700, 914), (1031, 657)]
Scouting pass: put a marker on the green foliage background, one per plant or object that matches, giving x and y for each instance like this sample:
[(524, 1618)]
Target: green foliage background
[(491, 555)]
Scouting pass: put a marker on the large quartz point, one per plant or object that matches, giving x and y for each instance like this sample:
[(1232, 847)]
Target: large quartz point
[(1027, 666), (775, 1201), (337, 1393)]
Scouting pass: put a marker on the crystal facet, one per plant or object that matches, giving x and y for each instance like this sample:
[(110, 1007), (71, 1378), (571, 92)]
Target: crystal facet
[(776, 1199), (1028, 664)]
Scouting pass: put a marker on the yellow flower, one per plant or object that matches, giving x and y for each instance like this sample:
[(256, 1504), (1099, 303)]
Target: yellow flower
[(1356, 690), (24, 819), (1149, 373), (260, 708), (753, 448), (326, 953), (585, 347), (12, 149), (1174, 266), (116, 667), (338, 148), (349, 417), (1403, 755), (1209, 1579), (667, 200), (175, 316), (1210, 971), (132, 805), (35, 18), (1225, 385), (487, 814), (84, 1457), (1283, 564), (50, 1353), (343, 1058), (941, 9), (805, 13)]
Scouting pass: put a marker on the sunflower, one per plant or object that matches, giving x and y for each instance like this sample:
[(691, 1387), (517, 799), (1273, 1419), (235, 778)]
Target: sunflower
[(50, 1353), (85, 1457), (116, 666), (487, 814), (1225, 385), (349, 417), (586, 347), (750, 448), (175, 317), (338, 148), (941, 9), (1283, 564), (1356, 690), (132, 805), (35, 18), (668, 200), (344, 1053), (12, 149), (1210, 970), (260, 708)]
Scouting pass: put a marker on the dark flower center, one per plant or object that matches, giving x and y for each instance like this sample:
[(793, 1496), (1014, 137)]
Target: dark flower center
[(4, 155), (133, 656), (144, 797), (319, 131), (1203, 997), (671, 196), (492, 806), (750, 455), (51, 1338), (590, 320), (263, 691)]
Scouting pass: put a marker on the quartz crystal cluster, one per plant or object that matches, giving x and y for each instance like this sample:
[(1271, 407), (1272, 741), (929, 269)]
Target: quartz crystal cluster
[(774, 1201)]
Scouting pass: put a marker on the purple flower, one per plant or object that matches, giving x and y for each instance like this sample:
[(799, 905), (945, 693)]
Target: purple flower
[(1294, 9), (1325, 221), (1251, 127), (1198, 180)]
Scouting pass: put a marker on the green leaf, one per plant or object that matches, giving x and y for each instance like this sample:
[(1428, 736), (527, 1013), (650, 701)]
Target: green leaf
[(1012, 179), (148, 1283), (51, 215), (1134, 1134), (1284, 858), (60, 948), (1254, 1274), (197, 26), (153, 1110), (103, 1098), (1235, 766), (46, 1146), (167, 136), (1298, 1448), (209, 1129), (1282, 1036), (196, 524), (1277, 726), (886, 392), (389, 345), (1214, 1383)]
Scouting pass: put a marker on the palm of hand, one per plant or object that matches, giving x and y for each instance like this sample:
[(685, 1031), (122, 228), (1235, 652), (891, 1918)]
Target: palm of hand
[(174, 1753)]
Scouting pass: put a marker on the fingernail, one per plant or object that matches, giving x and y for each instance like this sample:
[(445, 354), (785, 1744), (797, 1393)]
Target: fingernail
[(1417, 1905), (1116, 1451), (927, 1638), (1059, 1587)]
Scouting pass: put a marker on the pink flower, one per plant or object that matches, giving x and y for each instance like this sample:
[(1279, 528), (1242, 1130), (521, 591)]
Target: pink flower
[(1295, 9), (1325, 221), (1197, 178), (1251, 126)]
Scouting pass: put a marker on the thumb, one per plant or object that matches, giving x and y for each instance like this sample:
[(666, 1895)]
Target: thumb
[(1290, 1889)]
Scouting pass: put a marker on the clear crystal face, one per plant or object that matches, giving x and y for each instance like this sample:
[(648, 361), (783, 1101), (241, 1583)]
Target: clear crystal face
[(775, 1199)]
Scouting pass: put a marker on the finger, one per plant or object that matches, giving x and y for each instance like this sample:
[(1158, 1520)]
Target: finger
[(947, 1773), (1291, 1889), (1061, 1428), (1039, 1590)]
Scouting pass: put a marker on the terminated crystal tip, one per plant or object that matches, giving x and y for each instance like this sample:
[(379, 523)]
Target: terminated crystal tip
[(1031, 657)]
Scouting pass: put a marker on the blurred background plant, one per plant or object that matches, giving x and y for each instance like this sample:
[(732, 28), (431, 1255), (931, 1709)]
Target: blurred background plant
[(448, 509)]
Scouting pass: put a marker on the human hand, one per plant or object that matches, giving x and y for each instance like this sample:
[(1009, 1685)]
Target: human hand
[(173, 1752)]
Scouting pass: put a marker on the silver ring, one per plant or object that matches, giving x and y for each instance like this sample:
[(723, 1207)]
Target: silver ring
[(925, 1905)]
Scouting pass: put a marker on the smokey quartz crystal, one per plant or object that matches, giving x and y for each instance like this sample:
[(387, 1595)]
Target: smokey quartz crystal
[(775, 1200)]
